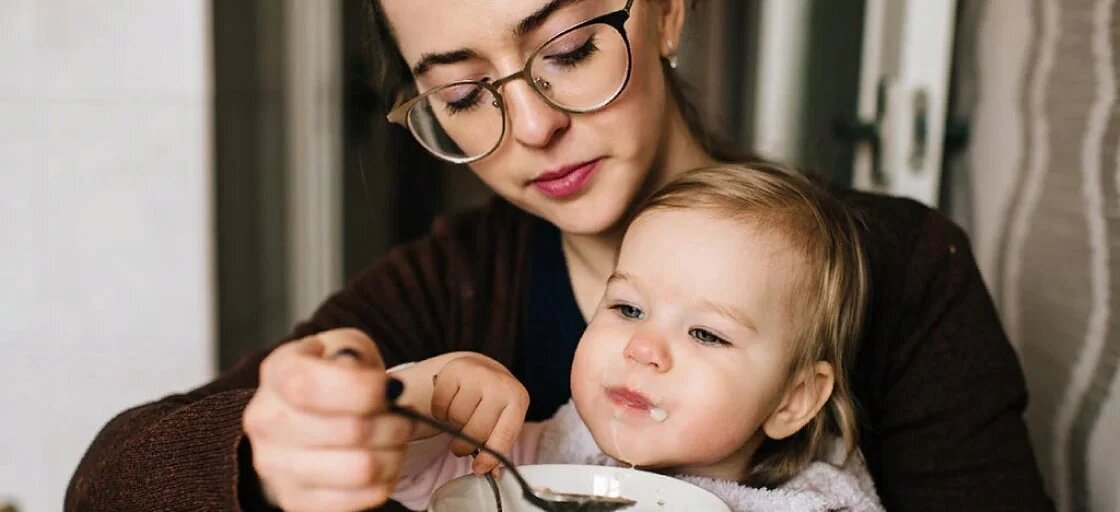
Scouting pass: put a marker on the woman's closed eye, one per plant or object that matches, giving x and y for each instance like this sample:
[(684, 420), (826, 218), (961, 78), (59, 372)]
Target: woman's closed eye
[(707, 337), (628, 311), (468, 100), (572, 58)]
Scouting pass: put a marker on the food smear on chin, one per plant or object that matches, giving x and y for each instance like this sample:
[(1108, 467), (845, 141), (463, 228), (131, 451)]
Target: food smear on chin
[(614, 435)]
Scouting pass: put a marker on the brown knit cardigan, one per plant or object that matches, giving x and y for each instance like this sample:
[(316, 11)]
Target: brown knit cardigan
[(939, 388)]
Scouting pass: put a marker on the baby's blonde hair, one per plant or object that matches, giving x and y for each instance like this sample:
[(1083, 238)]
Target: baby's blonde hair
[(829, 294)]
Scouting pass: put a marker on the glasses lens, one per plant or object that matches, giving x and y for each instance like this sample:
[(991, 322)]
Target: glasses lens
[(458, 122), (582, 69)]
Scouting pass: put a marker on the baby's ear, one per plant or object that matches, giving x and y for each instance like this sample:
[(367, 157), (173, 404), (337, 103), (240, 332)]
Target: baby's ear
[(803, 399)]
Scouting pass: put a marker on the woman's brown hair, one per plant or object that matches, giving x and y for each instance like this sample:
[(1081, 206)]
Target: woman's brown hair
[(828, 299), (392, 79)]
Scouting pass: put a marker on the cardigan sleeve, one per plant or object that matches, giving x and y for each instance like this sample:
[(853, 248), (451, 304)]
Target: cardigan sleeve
[(184, 452), (941, 387)]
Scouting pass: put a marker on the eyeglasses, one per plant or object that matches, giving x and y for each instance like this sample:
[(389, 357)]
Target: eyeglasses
[(580, 70)]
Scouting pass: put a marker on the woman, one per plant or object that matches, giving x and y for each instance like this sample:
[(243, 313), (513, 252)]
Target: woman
[(570, 112)]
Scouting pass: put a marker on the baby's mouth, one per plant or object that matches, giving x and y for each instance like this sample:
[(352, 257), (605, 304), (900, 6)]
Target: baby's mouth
[(636, 401), (629, 398)]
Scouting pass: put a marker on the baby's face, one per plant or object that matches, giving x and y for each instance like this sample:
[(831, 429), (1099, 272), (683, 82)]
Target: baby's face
[(687, 354)]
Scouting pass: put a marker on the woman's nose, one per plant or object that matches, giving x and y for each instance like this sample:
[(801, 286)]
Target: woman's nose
[(649, 349), (533, 121)]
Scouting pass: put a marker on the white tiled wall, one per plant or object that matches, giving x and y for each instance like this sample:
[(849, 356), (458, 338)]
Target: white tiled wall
[(106, 291)]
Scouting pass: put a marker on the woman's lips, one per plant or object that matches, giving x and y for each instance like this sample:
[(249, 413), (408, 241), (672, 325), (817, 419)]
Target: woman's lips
[(567, 181)]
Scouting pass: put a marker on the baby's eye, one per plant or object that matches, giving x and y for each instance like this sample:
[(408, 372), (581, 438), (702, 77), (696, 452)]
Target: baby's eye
[(628, 311), (706, 337)]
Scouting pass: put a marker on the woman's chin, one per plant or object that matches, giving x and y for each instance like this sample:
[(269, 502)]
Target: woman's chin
[(588, 219), (582, 228)]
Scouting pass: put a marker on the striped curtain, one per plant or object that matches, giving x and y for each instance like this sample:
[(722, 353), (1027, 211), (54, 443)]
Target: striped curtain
[(1043, 169)]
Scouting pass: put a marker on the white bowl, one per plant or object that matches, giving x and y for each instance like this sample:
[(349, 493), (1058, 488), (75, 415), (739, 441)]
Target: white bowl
[(653, 492)]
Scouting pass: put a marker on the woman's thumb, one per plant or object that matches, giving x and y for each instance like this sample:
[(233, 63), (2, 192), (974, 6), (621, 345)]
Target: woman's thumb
[(349, 343)]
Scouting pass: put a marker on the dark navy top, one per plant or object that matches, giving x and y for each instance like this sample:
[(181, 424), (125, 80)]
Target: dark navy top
[(551, 327)]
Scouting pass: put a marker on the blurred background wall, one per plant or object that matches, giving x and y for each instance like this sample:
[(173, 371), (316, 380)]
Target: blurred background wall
[(183, 180), (106, 224), (1041, 178)]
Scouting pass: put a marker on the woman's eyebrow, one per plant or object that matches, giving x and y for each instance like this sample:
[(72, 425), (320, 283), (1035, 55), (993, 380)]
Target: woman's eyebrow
[(525, 26), (535, 20), (431, 59)]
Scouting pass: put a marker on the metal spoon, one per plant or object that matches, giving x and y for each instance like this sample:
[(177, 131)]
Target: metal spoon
[(493, 488), (544, 499)]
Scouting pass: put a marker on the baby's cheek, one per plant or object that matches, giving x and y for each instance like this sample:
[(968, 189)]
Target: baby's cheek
[(582, 371), (707, 440)]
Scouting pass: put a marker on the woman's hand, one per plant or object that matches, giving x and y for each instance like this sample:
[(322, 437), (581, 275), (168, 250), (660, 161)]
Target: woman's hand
[(319, 435), (482, 398)]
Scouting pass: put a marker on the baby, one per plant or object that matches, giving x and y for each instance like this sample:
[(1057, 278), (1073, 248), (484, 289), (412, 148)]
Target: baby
[(717, 354)]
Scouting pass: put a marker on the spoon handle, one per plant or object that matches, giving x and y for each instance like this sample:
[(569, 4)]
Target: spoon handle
[(494, 489)]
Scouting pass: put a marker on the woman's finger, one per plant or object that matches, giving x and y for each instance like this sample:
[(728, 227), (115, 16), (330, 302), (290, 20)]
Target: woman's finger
[(287, 426), (322, 386), (299, 499), (351, 342), (391, 432), (336, 469)]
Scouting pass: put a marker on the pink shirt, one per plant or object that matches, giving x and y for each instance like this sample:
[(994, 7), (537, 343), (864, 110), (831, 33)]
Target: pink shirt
[(429, 464)]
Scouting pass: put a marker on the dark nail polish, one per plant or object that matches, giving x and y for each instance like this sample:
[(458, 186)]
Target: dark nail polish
[(393, 389), (347, 352)]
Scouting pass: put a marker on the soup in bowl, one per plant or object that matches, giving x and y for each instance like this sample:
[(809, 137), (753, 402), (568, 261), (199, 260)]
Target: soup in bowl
[(651, 491)]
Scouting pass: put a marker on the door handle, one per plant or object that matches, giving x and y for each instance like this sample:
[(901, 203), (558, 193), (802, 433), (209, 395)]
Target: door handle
[(870, 131)]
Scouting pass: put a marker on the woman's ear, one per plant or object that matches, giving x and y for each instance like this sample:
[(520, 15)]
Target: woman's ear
[(671, 15), (803, 399)]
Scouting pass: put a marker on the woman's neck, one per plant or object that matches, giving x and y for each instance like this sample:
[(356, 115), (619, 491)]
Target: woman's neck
[(590, 260), (591, 257), (594, 254), (682, 152)]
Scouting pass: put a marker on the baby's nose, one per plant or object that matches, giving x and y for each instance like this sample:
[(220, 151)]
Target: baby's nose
[(650, 349)]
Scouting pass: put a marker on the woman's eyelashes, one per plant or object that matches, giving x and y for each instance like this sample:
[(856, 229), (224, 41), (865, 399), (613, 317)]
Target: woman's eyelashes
[(462, 97), (572, 58), (468, 102)]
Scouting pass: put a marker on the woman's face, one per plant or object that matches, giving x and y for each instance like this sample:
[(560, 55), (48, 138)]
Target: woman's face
[(581, 172), (687, 355)]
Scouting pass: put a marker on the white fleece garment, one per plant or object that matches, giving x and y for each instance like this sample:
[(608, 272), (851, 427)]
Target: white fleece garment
[(826, 485), (823, 486)]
